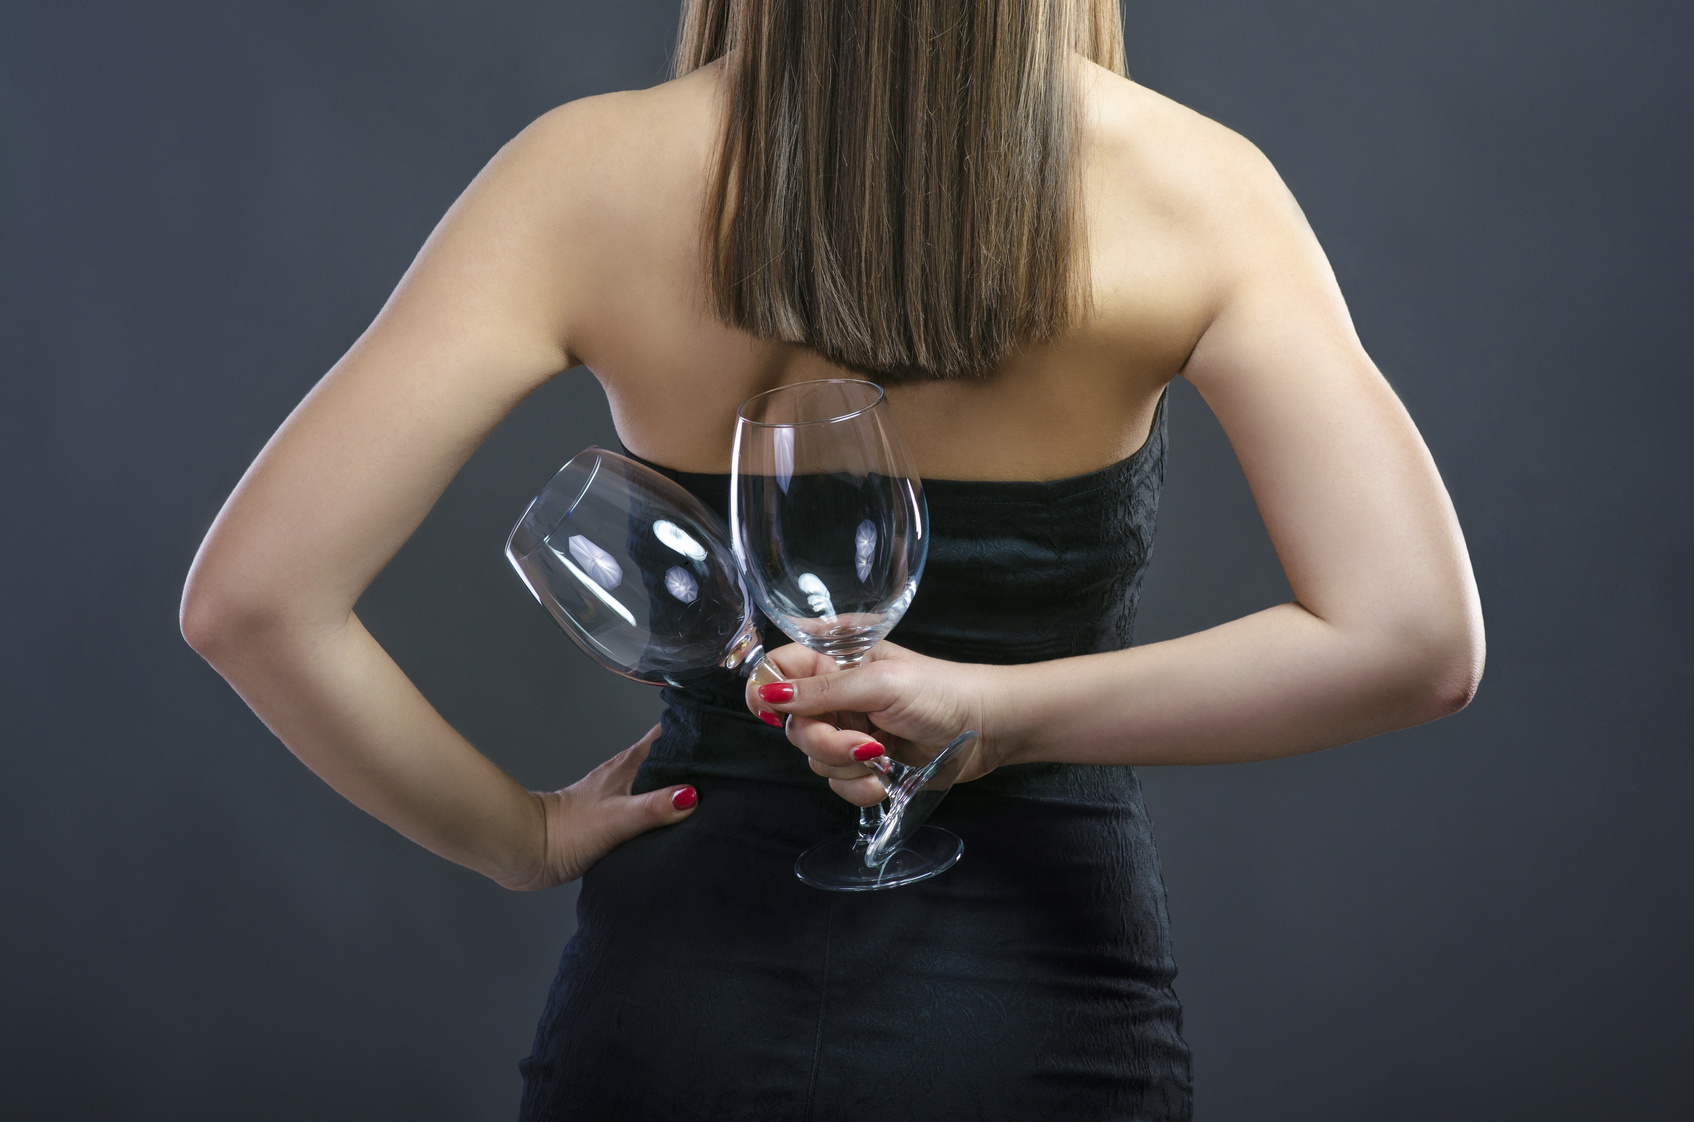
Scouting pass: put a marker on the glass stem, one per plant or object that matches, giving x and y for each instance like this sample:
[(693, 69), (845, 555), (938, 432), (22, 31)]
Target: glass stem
[(870, 817)]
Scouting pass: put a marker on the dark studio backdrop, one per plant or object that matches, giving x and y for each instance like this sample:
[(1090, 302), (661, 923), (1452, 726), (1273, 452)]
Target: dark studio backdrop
[(202, 204)]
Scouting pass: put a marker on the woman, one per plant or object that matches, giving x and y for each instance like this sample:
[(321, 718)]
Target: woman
[(970, 203)]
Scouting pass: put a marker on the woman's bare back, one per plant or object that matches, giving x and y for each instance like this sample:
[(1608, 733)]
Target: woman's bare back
[(637, 166)]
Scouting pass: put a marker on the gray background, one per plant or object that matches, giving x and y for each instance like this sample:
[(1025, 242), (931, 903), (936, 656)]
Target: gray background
[(201, 204)]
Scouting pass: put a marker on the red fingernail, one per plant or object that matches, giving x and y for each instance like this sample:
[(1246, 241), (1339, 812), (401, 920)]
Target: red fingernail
[(772, 719), (869, 750), (685, 798), (776, 692)]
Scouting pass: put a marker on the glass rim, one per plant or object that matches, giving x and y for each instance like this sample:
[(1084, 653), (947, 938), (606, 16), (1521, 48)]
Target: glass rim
[(741, 416), (521, 524)]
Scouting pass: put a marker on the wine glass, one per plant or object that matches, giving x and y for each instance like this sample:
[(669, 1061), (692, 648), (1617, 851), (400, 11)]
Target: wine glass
[(828, 522), (636, 570)]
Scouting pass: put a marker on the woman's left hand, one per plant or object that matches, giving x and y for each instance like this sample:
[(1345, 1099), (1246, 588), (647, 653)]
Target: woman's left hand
[(596, 814), (916, 706)]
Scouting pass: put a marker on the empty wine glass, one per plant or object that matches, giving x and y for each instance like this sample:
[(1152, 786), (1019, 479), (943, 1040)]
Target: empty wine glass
[(828, 522), (636, 570)]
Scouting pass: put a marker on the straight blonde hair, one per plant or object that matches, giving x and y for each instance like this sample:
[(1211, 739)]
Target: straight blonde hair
[(897, 185)]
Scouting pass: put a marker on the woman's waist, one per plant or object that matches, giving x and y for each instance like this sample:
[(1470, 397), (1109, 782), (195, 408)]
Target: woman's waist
[(706, 734)]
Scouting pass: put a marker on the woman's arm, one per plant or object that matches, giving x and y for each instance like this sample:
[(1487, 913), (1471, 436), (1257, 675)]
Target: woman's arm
[(483, 317), (1385, 630)]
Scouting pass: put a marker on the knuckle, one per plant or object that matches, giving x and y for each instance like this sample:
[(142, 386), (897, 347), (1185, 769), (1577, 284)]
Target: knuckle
[(841, 748), (892, 681), (811, 737)]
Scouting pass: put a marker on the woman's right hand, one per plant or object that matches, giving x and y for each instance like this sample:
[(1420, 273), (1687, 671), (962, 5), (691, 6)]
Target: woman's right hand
[(597, 813), (915, 705)]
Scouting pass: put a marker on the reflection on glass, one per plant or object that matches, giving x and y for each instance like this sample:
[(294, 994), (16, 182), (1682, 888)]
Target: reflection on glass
[(681, 585), (817, 597), (864, 549), (677, 538), (605, 575)]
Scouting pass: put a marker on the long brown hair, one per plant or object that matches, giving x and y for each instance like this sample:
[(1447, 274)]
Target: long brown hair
[(896, 185)]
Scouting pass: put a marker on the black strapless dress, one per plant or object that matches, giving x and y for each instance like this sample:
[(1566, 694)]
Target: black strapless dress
[(1032, 980)]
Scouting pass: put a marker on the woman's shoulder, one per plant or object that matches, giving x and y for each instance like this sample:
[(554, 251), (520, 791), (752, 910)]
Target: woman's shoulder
[(609, 190), (643, 122), (1161, 150), (611, 163), (1168, 185)]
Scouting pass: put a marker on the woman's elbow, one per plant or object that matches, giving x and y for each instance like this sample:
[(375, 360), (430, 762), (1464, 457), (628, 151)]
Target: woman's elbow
[(1448, 667), (219, 618), (1454, 689), (206, 617)]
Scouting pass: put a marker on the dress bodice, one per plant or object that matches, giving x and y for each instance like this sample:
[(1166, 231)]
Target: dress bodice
[(1030, 571), (1018, 571)]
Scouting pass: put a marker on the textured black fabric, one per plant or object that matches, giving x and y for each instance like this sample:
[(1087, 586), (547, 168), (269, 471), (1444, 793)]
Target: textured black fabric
[(1032, 980)]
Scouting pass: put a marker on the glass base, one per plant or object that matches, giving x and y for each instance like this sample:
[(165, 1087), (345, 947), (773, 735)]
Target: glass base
[(838, 865)]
